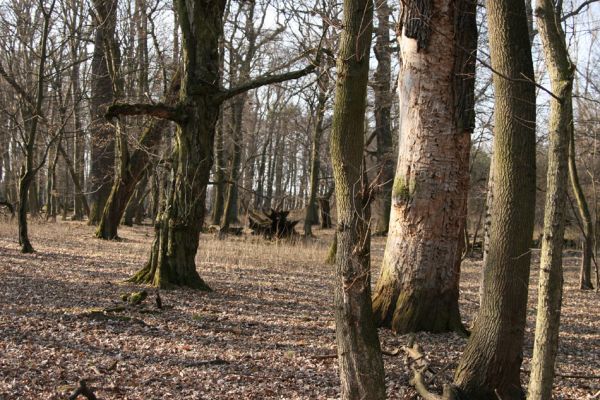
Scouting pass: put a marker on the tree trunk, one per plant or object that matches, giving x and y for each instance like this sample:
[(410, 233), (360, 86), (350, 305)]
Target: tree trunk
[(383, 121), (74, 178), (311, 208), (230, 210), (102, 132), (34, 112), (418, 287), (560, 127), (178, 225), (360, 364), (585, 274), (491, 362), (219, 187), (135, 202)]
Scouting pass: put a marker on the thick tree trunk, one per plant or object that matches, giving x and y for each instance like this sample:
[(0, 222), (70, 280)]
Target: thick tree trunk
[(359, 354), (560, 126), (383, 120), (102, 155), (418, 287), (178, 225), (490, 365)]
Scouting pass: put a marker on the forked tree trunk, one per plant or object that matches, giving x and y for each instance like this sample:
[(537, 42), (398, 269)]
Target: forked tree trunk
[(560, 70), (418, 286), (491, 362), (360, 364)]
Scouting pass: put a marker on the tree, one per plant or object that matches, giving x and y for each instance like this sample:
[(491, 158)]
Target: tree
[(418, 286), (132, 167), (102, 132), (490, 364), (360, 363), (32, 111), (585, 274), (560, 128), (318, 130), (383, 122), (178, 225)]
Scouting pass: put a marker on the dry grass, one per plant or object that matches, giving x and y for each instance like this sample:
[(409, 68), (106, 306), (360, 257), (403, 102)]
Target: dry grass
[(256, 336)]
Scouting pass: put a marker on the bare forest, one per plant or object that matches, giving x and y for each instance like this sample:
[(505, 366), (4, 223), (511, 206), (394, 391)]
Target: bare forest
[(285, 199)]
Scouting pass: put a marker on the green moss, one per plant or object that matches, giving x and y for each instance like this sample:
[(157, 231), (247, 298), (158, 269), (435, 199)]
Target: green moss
[(401, 190)]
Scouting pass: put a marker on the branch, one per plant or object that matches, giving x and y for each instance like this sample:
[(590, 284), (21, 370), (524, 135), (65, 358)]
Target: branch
[(578, 9), (15, 85), (159, 110), (266, 80)]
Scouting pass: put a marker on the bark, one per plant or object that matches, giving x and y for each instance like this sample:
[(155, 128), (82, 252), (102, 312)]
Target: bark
[(491, 362), (560, 70), (383, 121), (360, 363), (102, 132), (418, 286)]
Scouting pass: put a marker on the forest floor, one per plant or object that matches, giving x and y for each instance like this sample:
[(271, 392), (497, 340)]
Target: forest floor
[(266, 331)]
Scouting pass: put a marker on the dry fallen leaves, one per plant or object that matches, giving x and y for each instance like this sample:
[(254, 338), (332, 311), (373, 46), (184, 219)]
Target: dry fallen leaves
[(265, 332)]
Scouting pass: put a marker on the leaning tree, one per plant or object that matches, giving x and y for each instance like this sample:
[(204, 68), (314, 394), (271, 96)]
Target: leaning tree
[(178, 225), (418, 286)]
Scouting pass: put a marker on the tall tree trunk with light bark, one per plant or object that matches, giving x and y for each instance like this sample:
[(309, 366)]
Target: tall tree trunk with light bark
[(491, 362), (560, 70), (360, 364), (418, 286)]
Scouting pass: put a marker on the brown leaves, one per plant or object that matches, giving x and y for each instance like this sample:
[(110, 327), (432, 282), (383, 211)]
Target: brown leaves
[(266, 331)]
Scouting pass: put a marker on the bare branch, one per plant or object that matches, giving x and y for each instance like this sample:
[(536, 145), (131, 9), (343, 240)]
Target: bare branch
[(578, 9), (266, 80)]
